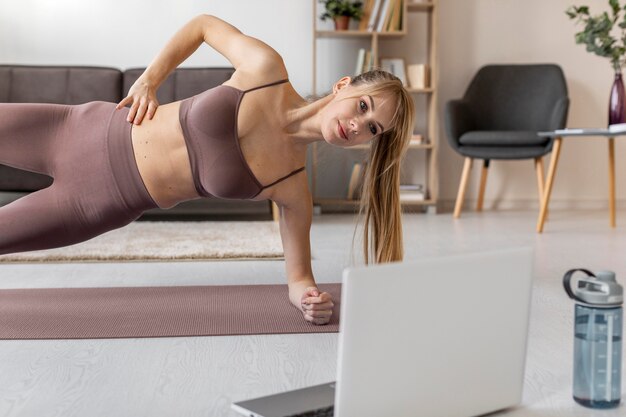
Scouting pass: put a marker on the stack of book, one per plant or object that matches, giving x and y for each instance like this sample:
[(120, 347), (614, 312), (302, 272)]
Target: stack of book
[(382, 16), (412, 192), (408, 192)]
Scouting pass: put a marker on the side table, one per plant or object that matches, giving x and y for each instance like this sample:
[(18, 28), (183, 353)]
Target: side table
[(558, 136)]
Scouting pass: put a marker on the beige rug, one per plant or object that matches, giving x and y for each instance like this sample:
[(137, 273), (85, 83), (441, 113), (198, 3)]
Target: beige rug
[(141, 241)]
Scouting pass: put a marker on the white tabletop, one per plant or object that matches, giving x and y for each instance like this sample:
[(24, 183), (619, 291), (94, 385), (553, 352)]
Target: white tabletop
[(587, 131)]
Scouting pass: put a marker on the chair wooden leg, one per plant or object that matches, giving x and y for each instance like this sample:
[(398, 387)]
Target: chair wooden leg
[(483, 183), (540, 180), (461, 194), (540, 176)]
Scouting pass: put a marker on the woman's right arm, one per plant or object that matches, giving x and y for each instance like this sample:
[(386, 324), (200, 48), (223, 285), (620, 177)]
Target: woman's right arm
[(242, 51)]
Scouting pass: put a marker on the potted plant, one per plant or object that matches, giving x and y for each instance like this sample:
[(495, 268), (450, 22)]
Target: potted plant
[(341, 11), (605, 35)]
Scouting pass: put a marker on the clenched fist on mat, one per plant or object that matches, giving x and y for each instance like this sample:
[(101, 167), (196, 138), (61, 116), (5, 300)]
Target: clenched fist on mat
[(316, 306)]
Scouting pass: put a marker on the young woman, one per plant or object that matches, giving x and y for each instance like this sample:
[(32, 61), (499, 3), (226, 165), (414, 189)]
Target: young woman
[(244, 139)]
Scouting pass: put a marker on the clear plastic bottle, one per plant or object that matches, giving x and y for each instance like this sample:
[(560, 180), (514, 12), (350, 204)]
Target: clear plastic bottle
[(597, 338)]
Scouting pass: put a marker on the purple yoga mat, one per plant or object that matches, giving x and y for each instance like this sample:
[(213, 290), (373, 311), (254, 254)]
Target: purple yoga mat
[(136, 312)]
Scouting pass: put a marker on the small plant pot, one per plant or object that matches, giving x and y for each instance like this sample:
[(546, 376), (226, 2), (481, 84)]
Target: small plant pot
[(342, 22)]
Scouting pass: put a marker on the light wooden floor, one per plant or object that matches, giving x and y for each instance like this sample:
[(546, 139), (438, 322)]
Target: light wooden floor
[(201, 376)]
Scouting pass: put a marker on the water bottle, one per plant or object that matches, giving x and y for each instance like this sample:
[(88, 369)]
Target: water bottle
[(597, 338)]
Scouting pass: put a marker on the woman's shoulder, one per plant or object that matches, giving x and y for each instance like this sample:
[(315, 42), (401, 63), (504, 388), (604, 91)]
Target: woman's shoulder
[(268, 70)]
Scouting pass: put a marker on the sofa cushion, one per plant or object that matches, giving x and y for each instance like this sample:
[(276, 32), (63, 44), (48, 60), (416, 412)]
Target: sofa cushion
[(61, 85)]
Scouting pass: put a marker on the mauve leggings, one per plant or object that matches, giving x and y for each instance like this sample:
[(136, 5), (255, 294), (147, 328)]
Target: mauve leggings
[(87, 149)]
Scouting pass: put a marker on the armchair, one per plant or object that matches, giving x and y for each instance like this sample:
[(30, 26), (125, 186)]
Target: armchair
[(499, 116)]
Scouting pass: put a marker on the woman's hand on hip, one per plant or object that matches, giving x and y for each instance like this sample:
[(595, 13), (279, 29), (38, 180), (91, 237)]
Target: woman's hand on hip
[(316, 306), (143, 101)]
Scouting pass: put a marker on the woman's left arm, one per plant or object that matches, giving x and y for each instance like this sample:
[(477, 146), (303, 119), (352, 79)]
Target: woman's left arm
[(295, 225)]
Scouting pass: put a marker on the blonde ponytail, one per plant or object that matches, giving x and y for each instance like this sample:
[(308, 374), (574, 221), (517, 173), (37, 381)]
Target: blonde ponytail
[(380, 208)]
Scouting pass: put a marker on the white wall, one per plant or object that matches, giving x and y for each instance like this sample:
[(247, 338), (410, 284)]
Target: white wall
[(471, 33), (129, 33)]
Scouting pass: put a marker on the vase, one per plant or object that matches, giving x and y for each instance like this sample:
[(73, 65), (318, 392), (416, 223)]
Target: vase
[(616, 101), (342, 22)]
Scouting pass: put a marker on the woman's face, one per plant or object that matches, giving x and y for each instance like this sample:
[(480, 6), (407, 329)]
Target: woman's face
[(350, 121)]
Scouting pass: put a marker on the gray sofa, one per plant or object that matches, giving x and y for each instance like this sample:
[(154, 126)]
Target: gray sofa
[(76, 85)]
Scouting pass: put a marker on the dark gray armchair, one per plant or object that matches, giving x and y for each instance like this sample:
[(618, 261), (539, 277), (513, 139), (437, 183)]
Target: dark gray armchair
[(499, 116)]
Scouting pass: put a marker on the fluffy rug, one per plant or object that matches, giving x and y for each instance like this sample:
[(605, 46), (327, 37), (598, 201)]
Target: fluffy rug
[(141, 241)]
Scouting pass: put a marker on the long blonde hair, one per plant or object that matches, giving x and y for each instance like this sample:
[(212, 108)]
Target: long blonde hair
[(380, 208)]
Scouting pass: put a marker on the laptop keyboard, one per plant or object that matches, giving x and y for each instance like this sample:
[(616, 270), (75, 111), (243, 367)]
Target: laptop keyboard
[(322, 412)]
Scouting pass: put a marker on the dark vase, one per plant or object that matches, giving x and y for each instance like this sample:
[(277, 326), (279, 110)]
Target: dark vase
[(616, 101)]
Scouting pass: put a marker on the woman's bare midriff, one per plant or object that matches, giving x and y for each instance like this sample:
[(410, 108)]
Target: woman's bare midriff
[(162, 157)]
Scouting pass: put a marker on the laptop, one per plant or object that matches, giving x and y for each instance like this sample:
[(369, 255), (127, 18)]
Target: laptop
[(439, 337)]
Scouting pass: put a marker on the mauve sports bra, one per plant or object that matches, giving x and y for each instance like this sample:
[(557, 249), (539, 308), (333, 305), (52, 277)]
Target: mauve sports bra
[(209, 123)]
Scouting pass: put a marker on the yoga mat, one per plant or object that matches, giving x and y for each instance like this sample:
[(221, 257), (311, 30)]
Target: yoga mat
[(138, 312)]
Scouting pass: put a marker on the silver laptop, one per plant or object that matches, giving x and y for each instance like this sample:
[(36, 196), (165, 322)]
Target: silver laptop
[(440, 337)]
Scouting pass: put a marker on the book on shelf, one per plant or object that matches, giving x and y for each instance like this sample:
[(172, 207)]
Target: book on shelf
[(360, 62), (417, 139), (373, 18), (356, 181), (411, 187), (363, 61), (383, 16), (412, 197), (393, 14), (367, 12), (369, 61), (412, 192), (395, 23)]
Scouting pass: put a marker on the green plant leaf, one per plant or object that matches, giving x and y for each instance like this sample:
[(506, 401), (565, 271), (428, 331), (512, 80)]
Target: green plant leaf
[(336, 8), (596, 34)]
